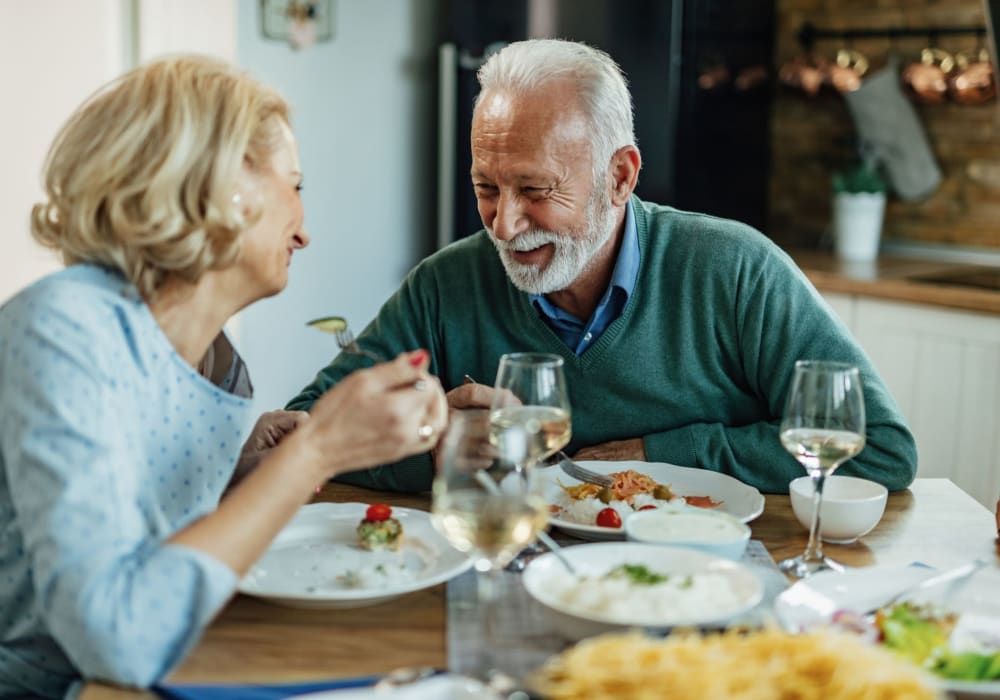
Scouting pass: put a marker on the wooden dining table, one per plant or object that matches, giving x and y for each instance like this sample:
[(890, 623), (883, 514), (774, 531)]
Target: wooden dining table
[(253, 641)]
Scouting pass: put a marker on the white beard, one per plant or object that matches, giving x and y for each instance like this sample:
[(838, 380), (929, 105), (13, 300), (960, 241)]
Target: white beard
[(573, 253)]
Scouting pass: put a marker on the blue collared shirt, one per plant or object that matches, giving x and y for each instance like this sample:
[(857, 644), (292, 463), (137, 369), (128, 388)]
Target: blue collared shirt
[(580, 334)]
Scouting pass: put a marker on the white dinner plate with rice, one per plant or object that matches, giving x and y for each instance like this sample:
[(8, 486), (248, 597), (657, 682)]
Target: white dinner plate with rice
[(691, 589), (740, 500), (316, 561)]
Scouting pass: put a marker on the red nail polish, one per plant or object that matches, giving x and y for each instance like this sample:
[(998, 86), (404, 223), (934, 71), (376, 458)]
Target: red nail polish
[(418, 357)]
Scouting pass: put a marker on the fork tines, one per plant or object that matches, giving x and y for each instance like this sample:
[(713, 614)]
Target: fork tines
[(577, 472)]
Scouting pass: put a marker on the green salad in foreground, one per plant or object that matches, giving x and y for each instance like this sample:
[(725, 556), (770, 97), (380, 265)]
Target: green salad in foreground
[(921, 633)]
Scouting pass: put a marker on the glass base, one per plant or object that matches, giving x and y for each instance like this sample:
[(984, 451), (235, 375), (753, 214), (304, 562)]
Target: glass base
[(800, 567)]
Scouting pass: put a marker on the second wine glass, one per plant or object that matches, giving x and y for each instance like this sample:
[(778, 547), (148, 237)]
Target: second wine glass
[(484, 507), (823, 426), (531, 397)]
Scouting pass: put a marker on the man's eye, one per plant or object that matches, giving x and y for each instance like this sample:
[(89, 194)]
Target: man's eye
[(537, 191)]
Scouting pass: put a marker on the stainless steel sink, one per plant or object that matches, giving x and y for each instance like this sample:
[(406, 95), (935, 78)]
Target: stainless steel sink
[(977, 277)]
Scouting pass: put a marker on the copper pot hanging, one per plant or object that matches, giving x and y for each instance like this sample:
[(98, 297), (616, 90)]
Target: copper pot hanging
[(927, 79), (974, 81), (805, 72), (847, 70)]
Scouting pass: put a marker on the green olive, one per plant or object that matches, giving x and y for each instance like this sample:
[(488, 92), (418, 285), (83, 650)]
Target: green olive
[(662, 493), (605, 495)]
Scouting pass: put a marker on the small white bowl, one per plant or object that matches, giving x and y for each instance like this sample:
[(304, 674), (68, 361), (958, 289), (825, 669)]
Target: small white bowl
[(851, 506), (712, 532)]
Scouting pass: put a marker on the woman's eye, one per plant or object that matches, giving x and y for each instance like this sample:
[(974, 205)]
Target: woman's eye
[(299, 187)]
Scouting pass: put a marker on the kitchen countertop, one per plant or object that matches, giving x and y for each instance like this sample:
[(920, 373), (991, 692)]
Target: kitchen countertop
[(905, 279)]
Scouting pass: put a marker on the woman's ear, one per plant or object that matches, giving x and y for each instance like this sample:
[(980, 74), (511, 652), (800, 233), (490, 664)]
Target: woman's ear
[(625, 166)]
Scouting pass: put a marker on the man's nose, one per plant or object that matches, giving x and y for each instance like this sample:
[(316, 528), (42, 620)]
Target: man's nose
[(510, 219)]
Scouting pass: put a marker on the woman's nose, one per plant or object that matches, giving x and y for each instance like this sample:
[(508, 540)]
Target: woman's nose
[(301, 239)]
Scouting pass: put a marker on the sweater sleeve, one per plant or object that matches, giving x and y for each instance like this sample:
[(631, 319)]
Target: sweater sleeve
[(121, 604), (400, 326), (779, 318)]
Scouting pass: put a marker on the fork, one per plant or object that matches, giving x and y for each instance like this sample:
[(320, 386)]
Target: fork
[(347, 343), (582, 473), (951, 579)]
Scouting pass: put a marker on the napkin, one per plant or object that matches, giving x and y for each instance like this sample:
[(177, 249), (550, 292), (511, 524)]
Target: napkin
[(256, 692)]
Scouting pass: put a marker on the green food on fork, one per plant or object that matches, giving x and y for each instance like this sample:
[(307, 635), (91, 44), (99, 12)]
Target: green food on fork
[(329, 324)]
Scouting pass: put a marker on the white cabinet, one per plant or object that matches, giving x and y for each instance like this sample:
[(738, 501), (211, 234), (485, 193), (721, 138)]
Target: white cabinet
[(943, 367)]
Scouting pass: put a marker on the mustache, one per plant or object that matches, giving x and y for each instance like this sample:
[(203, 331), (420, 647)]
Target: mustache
[(529, 240)]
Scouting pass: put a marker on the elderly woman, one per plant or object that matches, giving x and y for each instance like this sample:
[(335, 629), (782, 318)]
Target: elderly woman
[(174, 197)]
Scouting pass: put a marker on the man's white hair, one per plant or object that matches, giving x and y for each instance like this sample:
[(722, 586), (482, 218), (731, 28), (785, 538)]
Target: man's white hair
[(526, 66)]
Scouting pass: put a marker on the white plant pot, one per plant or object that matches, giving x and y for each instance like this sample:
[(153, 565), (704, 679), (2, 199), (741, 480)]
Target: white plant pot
[(857, 224)]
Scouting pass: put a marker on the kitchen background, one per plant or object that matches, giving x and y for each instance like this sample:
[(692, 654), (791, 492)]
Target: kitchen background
[(367, 113)]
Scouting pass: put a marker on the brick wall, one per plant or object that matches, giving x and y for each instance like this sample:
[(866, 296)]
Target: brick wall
[(813, 137)]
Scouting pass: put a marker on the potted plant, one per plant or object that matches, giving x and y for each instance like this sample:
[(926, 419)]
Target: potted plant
[(858, 210)]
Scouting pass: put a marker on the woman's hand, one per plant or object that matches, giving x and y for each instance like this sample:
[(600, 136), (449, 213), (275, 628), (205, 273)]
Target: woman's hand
[(377, 415)]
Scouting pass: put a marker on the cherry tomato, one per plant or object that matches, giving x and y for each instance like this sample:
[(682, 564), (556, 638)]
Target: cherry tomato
[(608, 517), (648, 506), (378, 512)]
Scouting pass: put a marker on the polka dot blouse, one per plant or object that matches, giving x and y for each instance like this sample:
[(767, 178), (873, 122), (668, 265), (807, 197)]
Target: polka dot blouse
[(109, 443)]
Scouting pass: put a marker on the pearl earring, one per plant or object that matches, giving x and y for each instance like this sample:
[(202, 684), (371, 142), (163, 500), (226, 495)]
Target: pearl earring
[(237, 199)]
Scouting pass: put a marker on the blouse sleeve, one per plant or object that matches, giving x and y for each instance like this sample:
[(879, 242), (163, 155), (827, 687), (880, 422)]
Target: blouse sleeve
[(123, 605)]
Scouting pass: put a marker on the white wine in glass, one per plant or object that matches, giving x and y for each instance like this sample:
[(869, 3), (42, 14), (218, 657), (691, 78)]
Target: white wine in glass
[(486, 507), (823, 426), (530, 400), (531, 396)]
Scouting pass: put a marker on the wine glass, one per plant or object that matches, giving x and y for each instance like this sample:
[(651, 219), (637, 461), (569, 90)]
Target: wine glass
[(823, 426), (531, 396), (485, 506)]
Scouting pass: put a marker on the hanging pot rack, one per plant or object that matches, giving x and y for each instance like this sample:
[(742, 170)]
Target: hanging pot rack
[(809, 33)]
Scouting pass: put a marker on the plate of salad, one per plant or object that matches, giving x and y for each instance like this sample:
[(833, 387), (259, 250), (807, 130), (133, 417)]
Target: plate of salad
[(957, 640)]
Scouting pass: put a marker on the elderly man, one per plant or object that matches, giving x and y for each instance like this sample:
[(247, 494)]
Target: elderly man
[(679, 330)]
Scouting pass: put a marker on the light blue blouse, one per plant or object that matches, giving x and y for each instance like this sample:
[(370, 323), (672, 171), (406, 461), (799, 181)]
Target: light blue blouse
[(109, 443)]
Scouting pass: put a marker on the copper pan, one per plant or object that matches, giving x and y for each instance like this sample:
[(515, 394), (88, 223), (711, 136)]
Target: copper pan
[(927, 79)]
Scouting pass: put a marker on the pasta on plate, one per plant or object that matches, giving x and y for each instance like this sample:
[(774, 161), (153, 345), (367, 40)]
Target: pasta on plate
[(761, 665)]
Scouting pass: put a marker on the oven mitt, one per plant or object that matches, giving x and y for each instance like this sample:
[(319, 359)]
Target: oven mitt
[(889, 130)]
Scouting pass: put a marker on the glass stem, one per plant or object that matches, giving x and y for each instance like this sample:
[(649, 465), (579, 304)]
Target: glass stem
[(814, 550), (488, 588)]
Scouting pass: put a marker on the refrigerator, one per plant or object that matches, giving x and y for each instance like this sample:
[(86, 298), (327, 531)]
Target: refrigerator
[(700, 73)]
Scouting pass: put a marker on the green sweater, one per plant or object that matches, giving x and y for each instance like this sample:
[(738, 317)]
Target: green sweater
[(698, 364)]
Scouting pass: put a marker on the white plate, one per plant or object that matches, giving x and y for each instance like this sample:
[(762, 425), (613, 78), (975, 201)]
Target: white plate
[(814, 600), (308, 560), (443, 687), (738, 499), (544, 575)]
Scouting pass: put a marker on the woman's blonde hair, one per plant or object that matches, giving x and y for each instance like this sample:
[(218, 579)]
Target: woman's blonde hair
[(142, 177)]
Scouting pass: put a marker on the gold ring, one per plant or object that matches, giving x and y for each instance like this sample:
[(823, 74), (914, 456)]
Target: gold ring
[(425, 431)]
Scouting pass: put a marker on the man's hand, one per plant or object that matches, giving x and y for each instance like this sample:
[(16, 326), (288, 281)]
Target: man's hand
[(267, 432), (614, 451), (470, 395)]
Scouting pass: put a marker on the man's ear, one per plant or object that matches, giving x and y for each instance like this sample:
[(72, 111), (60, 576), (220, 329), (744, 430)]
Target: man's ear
[(625, 165)]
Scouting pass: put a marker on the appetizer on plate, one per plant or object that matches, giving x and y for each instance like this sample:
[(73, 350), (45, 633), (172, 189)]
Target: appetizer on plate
[(378, 530)]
